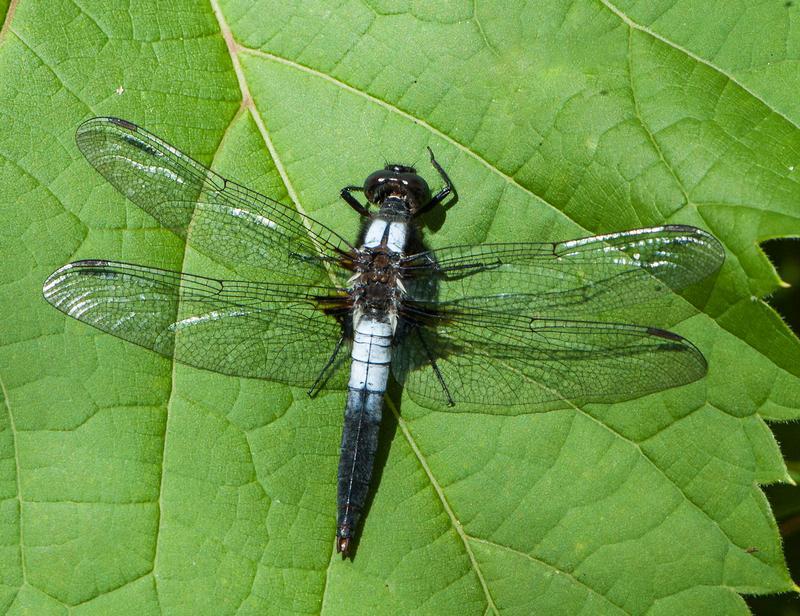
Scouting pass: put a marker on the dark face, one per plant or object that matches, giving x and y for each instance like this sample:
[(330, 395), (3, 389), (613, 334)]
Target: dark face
[(397, 181)]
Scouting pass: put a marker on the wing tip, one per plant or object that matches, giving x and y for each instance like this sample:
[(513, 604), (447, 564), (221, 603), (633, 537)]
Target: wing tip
[(679, 343), (715, 247), (663, 333), (122, 123), (85, 266), (101, 121), (52, 281), (101, 128)]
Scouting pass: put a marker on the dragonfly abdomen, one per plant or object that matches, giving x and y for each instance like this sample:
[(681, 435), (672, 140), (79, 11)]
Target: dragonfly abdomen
[(369, 373)]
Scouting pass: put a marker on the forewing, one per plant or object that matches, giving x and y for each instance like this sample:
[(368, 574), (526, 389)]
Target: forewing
[(489, 360), (257, 330), (578, 279), (238, 227)]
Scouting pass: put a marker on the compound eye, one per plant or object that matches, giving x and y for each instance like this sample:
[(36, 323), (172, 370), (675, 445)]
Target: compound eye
[(418, 189), (400, 169), (375, 183)]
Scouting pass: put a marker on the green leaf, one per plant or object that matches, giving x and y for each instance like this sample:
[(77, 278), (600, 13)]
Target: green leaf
[(132, 485)]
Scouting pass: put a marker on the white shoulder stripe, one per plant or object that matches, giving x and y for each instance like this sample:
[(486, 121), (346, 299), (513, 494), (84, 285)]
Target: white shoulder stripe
[(374, 233), (397, 237)]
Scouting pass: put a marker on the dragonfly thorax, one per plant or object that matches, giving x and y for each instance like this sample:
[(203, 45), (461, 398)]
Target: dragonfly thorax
[(397, 208), (376, 286), (376, 298), (377, 261)]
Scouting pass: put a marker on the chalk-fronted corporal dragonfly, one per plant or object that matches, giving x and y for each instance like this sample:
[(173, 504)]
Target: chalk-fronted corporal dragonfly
[(464, 327)]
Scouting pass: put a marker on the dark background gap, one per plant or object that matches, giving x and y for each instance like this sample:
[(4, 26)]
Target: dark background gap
[(785, 499)]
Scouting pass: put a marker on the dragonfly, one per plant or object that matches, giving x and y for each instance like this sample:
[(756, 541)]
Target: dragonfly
[(499, 326)]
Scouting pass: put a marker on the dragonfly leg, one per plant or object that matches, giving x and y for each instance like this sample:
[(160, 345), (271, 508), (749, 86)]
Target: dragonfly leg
[(444, 192), (346, 194), (436, 371), (322, 373)]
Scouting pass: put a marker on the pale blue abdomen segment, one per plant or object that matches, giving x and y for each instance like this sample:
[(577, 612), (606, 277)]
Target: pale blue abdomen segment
[(371, 353)]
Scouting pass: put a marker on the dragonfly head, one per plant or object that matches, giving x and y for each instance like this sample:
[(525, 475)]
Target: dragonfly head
[(398, 181)]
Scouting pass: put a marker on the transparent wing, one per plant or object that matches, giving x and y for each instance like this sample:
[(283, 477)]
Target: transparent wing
[(238, 227), (525, 324), (578, 279), (485, 359), (269, 331)]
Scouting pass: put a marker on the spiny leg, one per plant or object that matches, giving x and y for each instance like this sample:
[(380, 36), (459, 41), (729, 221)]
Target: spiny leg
[(444, 192), (346, 194), (432, 360), (318, 383)]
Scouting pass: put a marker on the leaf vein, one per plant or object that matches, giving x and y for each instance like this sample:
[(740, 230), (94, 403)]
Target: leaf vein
[(445, 504), (637, 26), (12, 8), (539, 561), (418, 121), (15, 445)]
